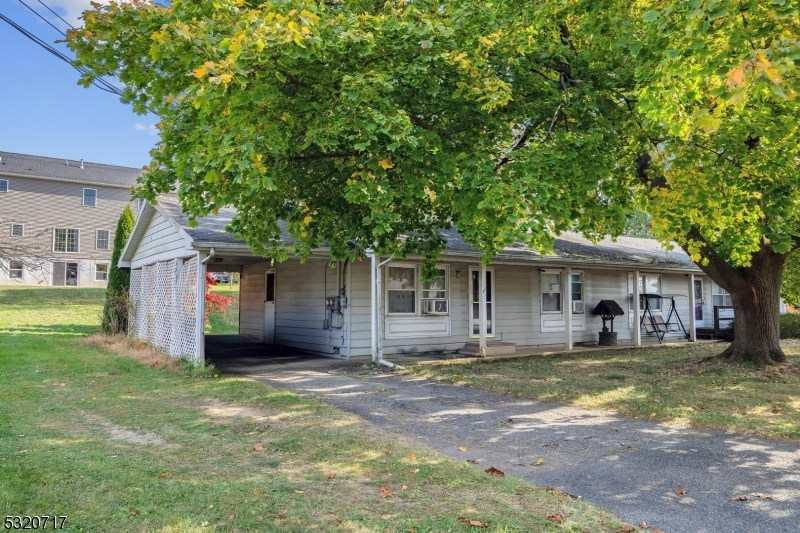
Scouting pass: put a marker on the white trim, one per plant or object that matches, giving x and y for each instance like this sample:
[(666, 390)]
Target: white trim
[(22, 234), (163, 256), (66, 241), (83, 197), (108, 240), (108, 270), (64, 180), (493, 301)]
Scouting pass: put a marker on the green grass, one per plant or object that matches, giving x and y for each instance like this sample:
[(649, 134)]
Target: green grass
[(226, 323), (667, 383), (118, 446)]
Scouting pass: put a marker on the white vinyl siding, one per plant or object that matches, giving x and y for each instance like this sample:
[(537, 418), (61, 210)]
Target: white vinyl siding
[(160, 237), (101, 272), (17, 230), (66, 240), (102, 239), (90, 197)]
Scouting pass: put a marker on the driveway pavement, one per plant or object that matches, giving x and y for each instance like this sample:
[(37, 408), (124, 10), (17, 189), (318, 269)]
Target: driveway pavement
[(633, 468)]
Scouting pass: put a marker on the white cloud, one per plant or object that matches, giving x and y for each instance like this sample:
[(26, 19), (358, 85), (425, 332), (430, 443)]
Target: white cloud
[(149, 129), (71, 10)]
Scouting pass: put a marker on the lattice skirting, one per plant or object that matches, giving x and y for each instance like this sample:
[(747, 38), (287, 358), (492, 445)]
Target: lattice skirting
[(164, 306)]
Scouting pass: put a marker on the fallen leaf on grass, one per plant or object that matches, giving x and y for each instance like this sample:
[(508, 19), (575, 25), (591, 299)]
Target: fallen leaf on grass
[(492, 471), (386, 492), (299, 492), (472, 522), (258, 491), (278, 515), (658, 531), (644, 525), (415, 471), (259, 448), (539, 461), (163, 474), (552, 490), (413, 457), (680, 492), (740, 498), (462, 449), (473, 461), (764, 497), (404, 487), (627, 529), (134, 512), (330, 475), (230, 517), (557, 518)]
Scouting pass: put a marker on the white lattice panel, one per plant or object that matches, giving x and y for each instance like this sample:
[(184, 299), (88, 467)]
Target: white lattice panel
[(135, 293), (149, 296), (187, 308)]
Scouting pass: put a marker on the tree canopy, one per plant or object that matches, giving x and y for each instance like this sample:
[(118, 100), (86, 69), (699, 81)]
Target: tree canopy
[(369, 125)]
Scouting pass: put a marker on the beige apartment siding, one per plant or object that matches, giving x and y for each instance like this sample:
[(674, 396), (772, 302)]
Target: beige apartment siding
[(43, 277), (161, 236)]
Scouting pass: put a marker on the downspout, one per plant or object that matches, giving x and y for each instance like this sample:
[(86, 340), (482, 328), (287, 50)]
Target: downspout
[(377, 333)]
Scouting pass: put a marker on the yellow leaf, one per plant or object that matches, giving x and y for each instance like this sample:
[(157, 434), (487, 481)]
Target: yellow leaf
[(385, 164), (200, 72), (539, 461), (227, 79), (413, 457), (258, 491), (460, 56), (462, 449), (300, 492), (307, 220)]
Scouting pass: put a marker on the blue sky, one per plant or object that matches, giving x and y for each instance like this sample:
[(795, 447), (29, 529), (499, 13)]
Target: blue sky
[(43, 111)]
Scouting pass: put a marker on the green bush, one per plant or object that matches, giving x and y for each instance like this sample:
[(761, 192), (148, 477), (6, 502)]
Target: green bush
[(115, 311), (790, 326)]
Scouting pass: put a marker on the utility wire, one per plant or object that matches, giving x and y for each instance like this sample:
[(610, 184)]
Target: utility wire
[(56, 14), (98, 82)]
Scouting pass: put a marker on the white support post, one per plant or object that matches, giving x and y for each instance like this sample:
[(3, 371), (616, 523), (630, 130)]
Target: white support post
[(200, 336), (482, 309), (637, 328), (378, 315), (567, 292), (692, 304), (373, 266)]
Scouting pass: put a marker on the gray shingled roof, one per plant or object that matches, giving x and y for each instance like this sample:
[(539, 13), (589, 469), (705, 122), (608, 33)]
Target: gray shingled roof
[(50, 167), (569, 247)]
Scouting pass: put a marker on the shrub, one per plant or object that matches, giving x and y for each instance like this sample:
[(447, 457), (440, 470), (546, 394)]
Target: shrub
[(119, 279), (790, 326)]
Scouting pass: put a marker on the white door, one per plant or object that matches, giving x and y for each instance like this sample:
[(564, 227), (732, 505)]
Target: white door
[(474, 302), (698, 303), (269, 307)]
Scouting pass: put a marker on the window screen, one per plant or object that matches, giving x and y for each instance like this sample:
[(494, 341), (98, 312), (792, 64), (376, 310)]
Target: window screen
[(401, 288)]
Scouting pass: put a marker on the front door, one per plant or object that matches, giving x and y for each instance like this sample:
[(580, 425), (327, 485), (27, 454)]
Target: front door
[(698, 303), (474, 302), (269, 307)]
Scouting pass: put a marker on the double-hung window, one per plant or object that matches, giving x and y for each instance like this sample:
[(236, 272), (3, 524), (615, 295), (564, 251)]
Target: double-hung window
[(15, 269), (551, 292), (90, 197), (401, 288), (101, 272), (102, 239), (576, 293), (66, 240), (17, 230), (434, 294), (650, 284), (721, 297), (3, 186)]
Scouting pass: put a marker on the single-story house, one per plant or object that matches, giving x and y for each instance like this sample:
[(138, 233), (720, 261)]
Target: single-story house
[(380, 305)]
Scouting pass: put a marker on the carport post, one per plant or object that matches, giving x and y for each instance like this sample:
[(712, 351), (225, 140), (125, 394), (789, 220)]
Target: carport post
[(567, 292), (373, 268), (637, 328), (692, 304), (482, 310), (200, 318)]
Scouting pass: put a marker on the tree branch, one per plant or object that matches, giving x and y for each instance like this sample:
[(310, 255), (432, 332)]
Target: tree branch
[(330, 155)]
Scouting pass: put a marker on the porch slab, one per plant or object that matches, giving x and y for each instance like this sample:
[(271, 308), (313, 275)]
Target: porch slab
[(492, 348)]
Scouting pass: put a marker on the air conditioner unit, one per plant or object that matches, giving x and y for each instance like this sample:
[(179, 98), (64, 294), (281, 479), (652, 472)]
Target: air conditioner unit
[(577, 307)]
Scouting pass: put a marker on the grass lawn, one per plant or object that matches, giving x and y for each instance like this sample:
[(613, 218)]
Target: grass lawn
[(662, 383), (118, 446), (226, 323)]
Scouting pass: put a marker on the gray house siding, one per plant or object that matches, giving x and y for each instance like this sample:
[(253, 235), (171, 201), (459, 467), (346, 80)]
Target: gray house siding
[(42, 205)]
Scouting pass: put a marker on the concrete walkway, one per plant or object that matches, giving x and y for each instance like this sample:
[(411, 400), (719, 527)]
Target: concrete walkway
[(630, 467)]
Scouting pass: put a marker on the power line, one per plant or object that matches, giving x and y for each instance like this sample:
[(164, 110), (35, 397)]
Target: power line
[(98, 82), (44, 19), (56, 14)]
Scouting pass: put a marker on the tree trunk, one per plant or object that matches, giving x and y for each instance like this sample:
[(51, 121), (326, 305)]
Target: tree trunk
[(756, 304)]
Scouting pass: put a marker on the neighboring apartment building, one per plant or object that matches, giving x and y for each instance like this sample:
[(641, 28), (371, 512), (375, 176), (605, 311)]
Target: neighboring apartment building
[(67, 210)]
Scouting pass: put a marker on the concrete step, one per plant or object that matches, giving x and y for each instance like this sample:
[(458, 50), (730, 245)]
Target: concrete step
[(492, 348)]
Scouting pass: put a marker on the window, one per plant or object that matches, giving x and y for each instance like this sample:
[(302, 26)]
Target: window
[(650, 284), (551, 292), (101, 242), (434, 294), (90, 197), (3, 186), (17, 230), (721, 297), (101, 272), (576, 291), (66, 240), (402, 290), (15, 269), (140, 204)]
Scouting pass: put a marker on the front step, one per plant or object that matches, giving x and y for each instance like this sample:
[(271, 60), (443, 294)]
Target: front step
[(492, 348)]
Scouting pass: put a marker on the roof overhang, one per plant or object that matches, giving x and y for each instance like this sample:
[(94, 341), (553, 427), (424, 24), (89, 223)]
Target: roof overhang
[(65, 180)]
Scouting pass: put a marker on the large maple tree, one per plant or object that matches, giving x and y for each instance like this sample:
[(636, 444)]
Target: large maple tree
[(369, 125)]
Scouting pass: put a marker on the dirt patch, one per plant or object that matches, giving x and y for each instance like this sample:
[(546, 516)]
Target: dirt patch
[(137, 350), (120, 433)]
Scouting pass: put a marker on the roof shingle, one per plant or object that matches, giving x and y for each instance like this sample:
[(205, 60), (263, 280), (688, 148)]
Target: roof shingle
[(49, 167)]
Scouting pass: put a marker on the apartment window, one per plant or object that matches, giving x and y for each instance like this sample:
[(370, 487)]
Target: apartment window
[(576, 293), (721, 297), (101, 272), (66, 240), (401, 290), (15, 269), (90, 197), (3, 186), (101, 240), (551, 292), (650, 284), (17, 230), (434, 294)]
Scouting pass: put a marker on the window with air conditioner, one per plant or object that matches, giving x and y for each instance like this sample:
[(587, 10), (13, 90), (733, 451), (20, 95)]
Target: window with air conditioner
[(576, 293)]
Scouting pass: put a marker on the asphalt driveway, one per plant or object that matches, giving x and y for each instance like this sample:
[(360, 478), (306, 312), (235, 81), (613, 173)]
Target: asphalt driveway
[(675, 479)]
